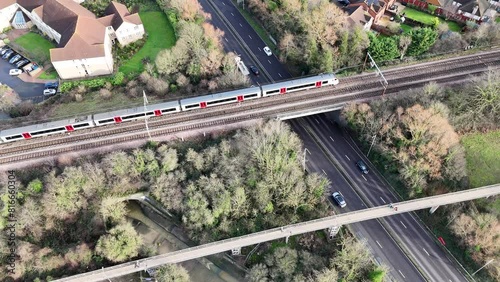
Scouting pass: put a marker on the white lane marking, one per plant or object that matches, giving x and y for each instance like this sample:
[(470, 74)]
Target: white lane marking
[(382, 200), (364, 177), (316, 121), (379, 244), (232, 14), (347, 157), (269, 61), (226, 39), (403, 224), (332, 139), (401, 274), (426, 252), (249, 36), (324, 171), (279, 74), (259, 49), (223, 3), (241, 25)]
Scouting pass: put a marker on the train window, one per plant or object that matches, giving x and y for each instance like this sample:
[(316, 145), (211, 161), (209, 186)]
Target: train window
[(75, 126), (325, 81), (48, 131), (192, 106), (14, 137), (273, 91), (221, 101), (251, 96), (301, 86), (169, 110), (138, 115), (106, 120)]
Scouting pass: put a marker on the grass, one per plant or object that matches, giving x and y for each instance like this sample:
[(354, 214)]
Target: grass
[(406, 28), (258, 28), (35, 43), (428, 19), (49, 73), (497, 20), (160, 36), (482, 152)]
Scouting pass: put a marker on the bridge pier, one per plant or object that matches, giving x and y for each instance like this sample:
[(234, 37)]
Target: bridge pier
[(236, 251), (433, 209), (332, 231)]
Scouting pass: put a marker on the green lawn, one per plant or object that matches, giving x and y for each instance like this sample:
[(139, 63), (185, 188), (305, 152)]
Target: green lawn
[(49, 73), (428, 19), (406, 28), (35, 44), (497, 20), (160, 36), (482, 152)]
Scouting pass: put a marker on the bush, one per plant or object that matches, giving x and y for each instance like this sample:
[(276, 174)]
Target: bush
[(118, 79), (105, 93)]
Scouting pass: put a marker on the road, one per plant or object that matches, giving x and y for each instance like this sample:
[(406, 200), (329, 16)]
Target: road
[(283, 232), (421, 245), (384, 249), (26, 91), (251, 40)]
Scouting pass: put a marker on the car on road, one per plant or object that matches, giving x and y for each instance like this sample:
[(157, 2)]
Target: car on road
[(15, 58), (362, 166), (254, 70), (15, 72), (267, 50), (339, 199), (7, 54), (22, 63)]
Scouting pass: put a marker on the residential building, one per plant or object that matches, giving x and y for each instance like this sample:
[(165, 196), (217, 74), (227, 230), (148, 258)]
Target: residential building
[(357, 16), (477, 10), (84, 42)]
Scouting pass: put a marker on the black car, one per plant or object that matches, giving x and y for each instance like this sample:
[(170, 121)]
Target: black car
[(344, 2), (254, 70), (51, 85), (22, 63), (8, 54), (362, 166)]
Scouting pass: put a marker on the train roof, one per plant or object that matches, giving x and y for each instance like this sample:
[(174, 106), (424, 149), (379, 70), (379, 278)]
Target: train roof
[(152, 107), (47, 125), (291, 83), (220, 95)]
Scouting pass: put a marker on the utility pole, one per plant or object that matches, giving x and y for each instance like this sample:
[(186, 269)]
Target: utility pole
[(490, 261), (373, 141), (145, 115), (383, 81), (304, 159)]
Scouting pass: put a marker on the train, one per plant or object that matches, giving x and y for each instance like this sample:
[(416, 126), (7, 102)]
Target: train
[(155, 110)]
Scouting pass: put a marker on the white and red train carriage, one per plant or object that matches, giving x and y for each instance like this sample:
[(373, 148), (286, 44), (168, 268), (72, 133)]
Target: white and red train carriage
[(235, 96), (300, 84), (137, 113)]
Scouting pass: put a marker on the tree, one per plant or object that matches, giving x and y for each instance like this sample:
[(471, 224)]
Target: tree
[(383, 48), (167, 188), (120, 244), (258, 273), (113, 209), (352, 260), (421, 40), (8, 98), (282, 264), (172, 273), (404, 43)]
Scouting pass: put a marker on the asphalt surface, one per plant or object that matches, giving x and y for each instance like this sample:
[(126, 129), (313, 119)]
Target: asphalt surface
[(27, 91), (238, 24), (382, 246), (417, 241)]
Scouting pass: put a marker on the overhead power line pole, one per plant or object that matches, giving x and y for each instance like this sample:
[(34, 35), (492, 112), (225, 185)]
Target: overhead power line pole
[(145, 115)]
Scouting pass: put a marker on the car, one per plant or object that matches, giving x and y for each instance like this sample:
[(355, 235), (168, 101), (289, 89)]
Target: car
[(15, 72), (362, 166), (51, 85), (268, 52), (4, 50), (254, 70), (49, 92), (15, 58), (22, 63), (8, 54), (339, 199), (344, 2)]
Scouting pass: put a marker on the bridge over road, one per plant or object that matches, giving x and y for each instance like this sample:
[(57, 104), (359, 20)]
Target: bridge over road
[(284, 232)]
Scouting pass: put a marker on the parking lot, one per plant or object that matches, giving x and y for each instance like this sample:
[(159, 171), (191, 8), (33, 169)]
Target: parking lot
[(26, 91)]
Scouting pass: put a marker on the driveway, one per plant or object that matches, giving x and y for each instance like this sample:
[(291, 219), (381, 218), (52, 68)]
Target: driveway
[(27, 91)]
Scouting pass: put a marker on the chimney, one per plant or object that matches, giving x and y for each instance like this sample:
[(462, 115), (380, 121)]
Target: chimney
[(475, 9)]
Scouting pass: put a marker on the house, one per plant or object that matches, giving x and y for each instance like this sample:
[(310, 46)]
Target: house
[(357, 16), (375, 8), (477, 10), (84, 42)]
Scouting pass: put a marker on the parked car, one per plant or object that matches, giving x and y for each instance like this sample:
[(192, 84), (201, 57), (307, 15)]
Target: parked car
[(49, 92), (344, 2), (268, 52), (8, 54), (4, 50), (15, 72), (51, 85), (254, 70), (339, 199), (15, 58), (362, 166), (22, 63)]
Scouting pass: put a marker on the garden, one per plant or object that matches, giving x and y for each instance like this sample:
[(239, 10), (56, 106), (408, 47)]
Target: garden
[(428, 19)]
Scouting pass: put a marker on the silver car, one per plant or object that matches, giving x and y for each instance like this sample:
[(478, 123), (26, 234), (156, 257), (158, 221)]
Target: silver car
[(339, 199)]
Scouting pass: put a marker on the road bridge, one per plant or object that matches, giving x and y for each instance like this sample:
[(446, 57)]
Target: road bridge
[(284, 232)]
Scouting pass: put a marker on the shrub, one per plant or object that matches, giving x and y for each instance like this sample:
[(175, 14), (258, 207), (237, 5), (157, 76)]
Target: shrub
[(118, 79), (36, 186), (105, 93)]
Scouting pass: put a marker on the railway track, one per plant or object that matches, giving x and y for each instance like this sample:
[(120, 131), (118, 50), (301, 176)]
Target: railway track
[(231, 114)]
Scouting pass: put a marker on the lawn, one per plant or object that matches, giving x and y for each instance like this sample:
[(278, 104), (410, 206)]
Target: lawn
[(160, 36), (428, 19), (35, 44), (406, 28), (49, 73), (497, 20), (482, 152)]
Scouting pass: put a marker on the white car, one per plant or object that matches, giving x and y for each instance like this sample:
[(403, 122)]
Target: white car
[(15, 72), (339, 199), (49, 92), (267, 50)]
